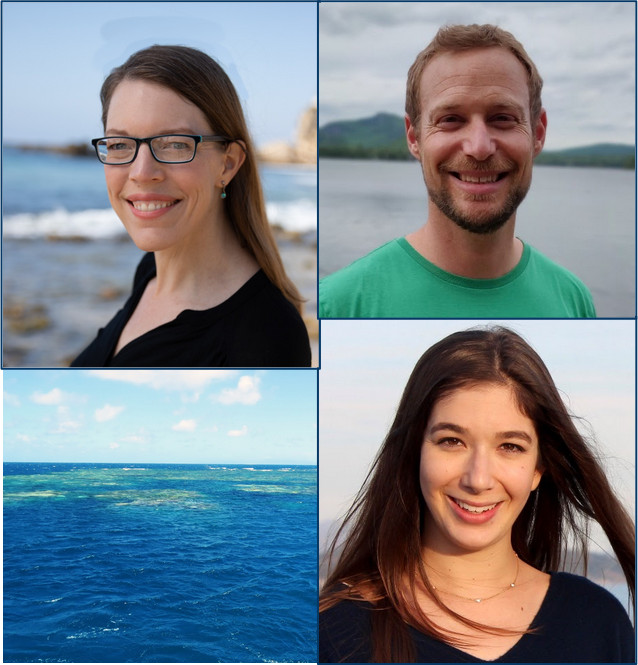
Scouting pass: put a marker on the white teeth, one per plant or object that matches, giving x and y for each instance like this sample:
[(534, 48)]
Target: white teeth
[(473, 509), (149, 206), (471, 178)]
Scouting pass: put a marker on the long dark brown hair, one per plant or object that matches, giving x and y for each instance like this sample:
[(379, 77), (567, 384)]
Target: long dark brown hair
[(201, 80), (380, 556)]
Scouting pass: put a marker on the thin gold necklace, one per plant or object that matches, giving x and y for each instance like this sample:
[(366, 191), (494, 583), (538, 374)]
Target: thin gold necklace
[(481, 600)]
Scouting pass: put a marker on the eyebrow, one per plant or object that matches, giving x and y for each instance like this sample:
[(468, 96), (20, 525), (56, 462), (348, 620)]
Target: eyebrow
[(179, 130), (454, 107), (509, 434)]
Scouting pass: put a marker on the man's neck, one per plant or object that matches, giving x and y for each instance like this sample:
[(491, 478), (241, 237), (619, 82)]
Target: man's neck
[(460, 252)]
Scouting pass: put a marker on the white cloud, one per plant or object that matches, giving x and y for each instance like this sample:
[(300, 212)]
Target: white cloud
[(185, 379), (67, 426), (133, 438), (13, 400), (114, 446), (247, 392), (55, 396), (238, 432), (25, 438), (107, 412), (185, 426)]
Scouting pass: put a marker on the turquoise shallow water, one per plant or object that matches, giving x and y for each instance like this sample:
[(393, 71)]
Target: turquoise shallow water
[(159, 563)]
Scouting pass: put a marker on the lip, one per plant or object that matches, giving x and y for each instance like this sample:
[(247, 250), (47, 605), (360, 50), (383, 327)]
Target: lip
[(166, 204), (474, 518)]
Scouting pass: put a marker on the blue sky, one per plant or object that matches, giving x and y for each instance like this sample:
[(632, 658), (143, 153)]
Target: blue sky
[(57, 54), (151, 416), (585, 52), (366, 364)]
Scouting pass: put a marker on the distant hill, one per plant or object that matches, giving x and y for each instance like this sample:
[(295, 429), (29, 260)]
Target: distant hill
[(382, 136)]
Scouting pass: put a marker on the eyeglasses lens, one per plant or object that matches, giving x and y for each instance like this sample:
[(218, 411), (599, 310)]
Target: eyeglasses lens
[(169, 149)]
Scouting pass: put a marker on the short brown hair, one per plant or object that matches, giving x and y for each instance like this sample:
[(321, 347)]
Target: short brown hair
[(453, 38)]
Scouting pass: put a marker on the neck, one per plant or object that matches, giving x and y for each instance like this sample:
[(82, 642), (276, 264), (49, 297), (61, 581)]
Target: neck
[(472, 575), (460, 252), (214, 260)]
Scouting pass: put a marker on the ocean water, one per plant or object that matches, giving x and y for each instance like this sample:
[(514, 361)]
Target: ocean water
[(49, 195), (159, 563)]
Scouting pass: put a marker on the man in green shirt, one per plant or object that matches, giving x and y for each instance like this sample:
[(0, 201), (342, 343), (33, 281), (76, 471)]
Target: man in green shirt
[(475, 122)]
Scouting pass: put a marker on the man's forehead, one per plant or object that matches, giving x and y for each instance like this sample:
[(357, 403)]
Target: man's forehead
[(474, 73)]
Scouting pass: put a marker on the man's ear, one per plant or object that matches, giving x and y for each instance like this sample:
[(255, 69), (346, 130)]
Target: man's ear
[(412, 138), (540, 131)]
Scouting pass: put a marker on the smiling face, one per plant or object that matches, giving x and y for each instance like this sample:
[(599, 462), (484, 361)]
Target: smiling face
[(163, 205), (474, 137), (479, 463)]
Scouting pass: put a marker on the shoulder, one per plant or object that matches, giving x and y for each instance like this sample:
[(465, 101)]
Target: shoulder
[(268, 331), (584, 608), (373, 275), (568, 586), (557, 278), (550, 268), (387, 252), (345, 632)]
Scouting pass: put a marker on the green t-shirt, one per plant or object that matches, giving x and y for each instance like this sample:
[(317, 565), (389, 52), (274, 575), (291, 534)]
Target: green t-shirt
[(395, 281)]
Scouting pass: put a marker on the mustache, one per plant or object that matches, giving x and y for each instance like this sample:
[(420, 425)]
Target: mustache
[(490, 166)]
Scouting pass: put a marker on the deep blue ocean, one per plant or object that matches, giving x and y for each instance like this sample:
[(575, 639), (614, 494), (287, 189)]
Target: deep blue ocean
[(159, 563)]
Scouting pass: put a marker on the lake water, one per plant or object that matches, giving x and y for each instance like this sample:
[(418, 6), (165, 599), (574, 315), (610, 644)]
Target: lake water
[(582, 218), (159, 563)]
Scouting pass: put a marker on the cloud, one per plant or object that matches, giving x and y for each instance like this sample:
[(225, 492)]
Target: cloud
[(185, 426), (238, 432), (163, 380), (107, 412), (13, 400), (114, 446), (133, 438), (247, 392), (53, 397), (67, 426)]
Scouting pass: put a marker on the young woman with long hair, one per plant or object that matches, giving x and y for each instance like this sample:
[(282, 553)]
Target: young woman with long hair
[(181, 173), (480, 493)]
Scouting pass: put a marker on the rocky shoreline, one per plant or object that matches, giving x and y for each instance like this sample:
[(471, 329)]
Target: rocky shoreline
[(53, 308)]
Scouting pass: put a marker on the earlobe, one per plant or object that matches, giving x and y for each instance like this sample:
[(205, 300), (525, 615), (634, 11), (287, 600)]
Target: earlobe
[(412, 139)]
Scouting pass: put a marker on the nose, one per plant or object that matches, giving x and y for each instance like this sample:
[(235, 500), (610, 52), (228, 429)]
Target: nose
[(478, 472), (478, 142), (145, 166)]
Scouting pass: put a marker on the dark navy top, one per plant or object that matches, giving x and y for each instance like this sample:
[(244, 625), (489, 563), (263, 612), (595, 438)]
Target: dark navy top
[(256, 327), (578, 622)]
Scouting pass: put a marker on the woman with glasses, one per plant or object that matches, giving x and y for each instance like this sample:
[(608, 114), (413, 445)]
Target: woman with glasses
[(453, 547), (181, 174)]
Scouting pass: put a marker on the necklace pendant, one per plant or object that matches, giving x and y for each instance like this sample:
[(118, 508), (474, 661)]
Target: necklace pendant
[(477, 600)]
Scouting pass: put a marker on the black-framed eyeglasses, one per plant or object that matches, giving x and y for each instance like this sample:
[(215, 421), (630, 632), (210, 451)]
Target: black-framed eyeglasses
[(167, 148)]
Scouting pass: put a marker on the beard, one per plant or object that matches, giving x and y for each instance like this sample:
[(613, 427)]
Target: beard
[(480, 222)]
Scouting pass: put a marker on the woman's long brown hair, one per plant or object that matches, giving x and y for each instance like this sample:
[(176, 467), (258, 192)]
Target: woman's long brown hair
[(202, 81), (380, 558)]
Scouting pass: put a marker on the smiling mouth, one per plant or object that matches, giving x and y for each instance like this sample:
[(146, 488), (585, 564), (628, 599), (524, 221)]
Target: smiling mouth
[(150, 206), (474, 509), (464, 177)]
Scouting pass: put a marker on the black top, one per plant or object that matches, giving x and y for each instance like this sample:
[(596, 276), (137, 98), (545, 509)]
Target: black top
[(578, 622), (256, 327)]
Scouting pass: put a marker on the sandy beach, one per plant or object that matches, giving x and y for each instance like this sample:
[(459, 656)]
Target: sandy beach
[(57, 293)]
